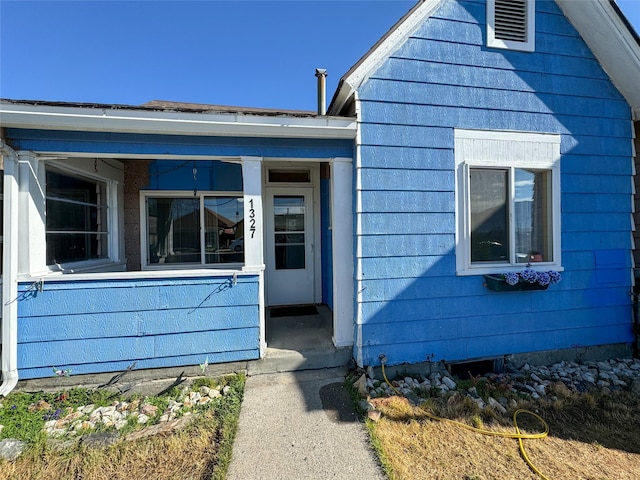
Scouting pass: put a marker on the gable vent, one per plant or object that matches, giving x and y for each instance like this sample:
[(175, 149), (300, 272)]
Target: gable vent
[(511, 20)]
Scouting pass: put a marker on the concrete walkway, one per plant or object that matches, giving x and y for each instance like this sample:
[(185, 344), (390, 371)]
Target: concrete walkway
[(301, 425)]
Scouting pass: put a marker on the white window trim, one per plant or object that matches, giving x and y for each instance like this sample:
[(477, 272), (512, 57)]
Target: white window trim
[(112, 180), (144, 247), (479, 148), (492, 41)]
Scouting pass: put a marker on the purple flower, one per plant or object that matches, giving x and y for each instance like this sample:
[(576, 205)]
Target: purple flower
[(543, 278), (529, 275), (554, 277), (52, 416), (511, 278)]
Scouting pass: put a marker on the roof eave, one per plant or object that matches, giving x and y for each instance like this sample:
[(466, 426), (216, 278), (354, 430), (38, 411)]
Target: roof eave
[(383, 48), (600, 23), (172, 123), (612, 40)]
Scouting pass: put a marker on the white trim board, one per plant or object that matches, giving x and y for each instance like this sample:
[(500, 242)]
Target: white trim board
[(173, 123), (374, 58), (611, 42)]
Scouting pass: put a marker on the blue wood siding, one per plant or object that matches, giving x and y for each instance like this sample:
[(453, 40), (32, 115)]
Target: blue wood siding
[(210, 175), (103, 326), (444, 77), (146, 144), (327, 245)]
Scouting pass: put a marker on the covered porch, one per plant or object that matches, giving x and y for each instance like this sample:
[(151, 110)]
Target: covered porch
[(169, 248)]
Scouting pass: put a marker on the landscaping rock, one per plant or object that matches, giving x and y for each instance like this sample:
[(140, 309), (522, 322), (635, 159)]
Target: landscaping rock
[(39, 406), (11, 448), (449, 383), (160, 428), (99, 440), (374, 415), (151, 410), (496, 405), (58, 445), (361, 386), (559, 380)]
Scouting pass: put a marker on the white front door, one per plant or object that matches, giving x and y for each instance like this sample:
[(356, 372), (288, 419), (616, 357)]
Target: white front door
[(289, 246)]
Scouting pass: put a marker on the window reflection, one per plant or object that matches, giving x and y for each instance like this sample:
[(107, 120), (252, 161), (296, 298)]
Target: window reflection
[(532, 215), (497, 215), (76, 221), (174, 229), (489, 215)]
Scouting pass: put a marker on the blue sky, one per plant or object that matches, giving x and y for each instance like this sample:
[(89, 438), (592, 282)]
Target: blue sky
[(245, 53)]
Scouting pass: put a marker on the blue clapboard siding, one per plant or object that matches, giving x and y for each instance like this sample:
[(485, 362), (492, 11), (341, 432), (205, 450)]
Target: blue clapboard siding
[(443, 77), (104, 326), (147, 144), (327, 245), (210, 175)]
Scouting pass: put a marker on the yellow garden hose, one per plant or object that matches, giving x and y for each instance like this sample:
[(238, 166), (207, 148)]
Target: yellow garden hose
[(520, 436)]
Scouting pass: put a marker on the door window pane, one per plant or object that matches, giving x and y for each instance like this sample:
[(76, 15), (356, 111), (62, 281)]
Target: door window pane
[(289, 218), (489, 215)]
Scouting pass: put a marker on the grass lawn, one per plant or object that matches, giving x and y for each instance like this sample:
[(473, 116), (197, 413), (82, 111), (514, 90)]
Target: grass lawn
[(592, 436), (200, 450)]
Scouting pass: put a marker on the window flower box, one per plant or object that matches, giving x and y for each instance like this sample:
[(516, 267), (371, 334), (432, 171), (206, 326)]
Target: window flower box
[(527, 279)]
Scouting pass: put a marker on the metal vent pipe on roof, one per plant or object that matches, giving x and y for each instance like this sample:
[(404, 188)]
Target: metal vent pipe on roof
[(321, 74)]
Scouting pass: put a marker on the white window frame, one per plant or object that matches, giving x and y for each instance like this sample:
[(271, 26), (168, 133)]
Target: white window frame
[(491, 149), (76, 168), (492, 41), (144, 240)]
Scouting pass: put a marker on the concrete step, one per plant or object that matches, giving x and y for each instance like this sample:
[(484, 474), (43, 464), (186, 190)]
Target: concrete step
[(281, 360)]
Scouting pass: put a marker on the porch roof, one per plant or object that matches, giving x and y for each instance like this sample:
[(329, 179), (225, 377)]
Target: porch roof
[(173, 118)]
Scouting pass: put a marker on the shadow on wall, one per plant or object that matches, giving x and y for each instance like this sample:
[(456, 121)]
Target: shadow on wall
[(414, 306)]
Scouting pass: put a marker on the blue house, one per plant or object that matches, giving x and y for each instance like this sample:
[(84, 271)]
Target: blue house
[(475, 138)]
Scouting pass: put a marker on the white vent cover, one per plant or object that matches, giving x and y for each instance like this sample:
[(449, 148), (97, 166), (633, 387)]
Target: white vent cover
[(511, 20), (511, 24)]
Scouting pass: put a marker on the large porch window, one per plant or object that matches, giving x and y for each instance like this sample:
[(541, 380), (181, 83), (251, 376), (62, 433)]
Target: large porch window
[(76, 218), (200, 229)]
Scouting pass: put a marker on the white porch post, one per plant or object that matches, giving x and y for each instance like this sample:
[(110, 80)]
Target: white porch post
[(32, 257), (342, 239), (253, 231), (9, 319)]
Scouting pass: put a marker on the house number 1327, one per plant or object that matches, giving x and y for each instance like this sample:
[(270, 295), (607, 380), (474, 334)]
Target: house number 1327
[(252, 218)]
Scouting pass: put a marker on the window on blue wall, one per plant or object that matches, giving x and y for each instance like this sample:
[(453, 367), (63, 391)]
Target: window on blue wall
[(76, 218), (201, 229), (506, 203), (508, 200)]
